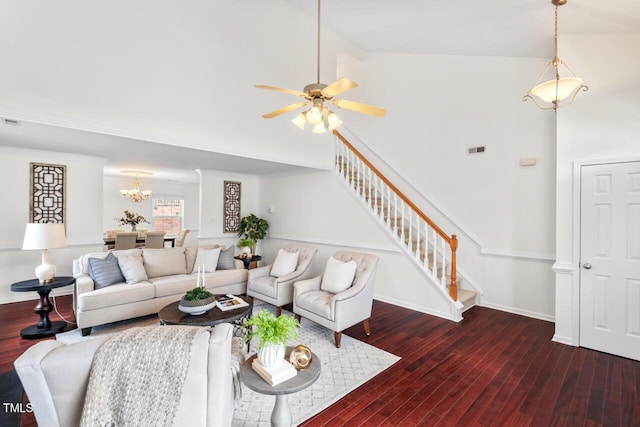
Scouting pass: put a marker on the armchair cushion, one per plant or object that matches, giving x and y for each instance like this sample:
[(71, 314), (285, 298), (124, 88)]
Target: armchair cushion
[(338, 275), (284, 263), (318, 302)]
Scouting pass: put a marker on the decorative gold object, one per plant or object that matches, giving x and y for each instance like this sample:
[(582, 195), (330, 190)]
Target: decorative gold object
[(300, 357)]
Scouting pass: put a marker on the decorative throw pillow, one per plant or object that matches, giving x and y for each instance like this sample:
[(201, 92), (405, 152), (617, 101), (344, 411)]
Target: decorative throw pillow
[(338, 276), (105, 272), (284, 263), (164, 262), (225, 260), (132, 268), (208, 258)]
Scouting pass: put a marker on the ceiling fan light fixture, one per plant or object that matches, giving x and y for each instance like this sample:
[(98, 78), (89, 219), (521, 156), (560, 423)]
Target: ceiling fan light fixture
[(300, 120), (333, 121), (557, 89), (319, 128), (314, 115)]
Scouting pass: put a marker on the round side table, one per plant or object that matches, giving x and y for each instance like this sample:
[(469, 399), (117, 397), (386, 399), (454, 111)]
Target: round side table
[(45, 327), (281, 415)]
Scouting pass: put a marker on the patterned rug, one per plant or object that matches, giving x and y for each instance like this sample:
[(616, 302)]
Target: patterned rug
[(343, 370)]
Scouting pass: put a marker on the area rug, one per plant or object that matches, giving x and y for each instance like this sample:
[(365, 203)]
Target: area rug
[(343, 369)]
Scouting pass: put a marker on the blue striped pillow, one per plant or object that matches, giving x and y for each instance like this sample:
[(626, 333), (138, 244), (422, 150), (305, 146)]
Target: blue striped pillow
[(105, 272)]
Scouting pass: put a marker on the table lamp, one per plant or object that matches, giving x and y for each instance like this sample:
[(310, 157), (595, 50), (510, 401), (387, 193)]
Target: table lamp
[(42, 237)]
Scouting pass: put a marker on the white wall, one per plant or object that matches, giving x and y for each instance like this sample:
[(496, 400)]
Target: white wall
[(601, 125), (180, 73), (314, 208), (84, 215), (437, 107)]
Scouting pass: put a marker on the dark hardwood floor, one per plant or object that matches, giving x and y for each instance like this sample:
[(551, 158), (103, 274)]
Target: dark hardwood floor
[(493, 368)]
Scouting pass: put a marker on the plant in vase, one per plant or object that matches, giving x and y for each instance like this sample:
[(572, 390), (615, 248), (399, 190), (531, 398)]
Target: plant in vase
[(253, 228), (132, 219), (272, 333), (246, 247), (198, 300)]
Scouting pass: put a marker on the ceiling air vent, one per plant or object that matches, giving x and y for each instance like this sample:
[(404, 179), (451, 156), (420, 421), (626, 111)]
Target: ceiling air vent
[(476, 150), (11, 122)]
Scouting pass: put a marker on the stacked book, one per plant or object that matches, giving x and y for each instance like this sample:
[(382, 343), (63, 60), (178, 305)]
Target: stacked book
[(281, 372), (230, 302)]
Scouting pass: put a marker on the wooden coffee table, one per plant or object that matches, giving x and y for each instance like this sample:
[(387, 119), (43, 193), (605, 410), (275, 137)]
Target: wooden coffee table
[(171, 315)]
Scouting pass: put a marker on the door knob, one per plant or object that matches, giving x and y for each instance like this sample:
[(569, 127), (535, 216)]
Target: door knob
[(586, 266)]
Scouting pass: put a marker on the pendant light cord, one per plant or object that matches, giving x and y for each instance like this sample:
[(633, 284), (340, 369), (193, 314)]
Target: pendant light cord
[(318, 55)]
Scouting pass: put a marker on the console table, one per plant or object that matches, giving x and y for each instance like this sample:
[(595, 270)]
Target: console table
[(45, 327)]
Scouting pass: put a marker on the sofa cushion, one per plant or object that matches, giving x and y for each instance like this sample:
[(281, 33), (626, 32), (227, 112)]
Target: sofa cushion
[(176, 284), (164, 262), (208, 259), (105, 272), (225, 260), (114, 295), (132, 268), (284, 263), (338, 276), (181, 283)]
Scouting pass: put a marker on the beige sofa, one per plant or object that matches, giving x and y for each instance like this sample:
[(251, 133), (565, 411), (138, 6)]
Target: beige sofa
[(55, 377), (169, 276)]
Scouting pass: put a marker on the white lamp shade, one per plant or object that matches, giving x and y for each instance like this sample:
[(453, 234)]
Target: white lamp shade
[(44, 236), (547, 90)]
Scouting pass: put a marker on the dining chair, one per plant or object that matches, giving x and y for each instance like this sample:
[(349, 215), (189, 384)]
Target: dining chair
[(155, 239), (126, 240), (182, 235)]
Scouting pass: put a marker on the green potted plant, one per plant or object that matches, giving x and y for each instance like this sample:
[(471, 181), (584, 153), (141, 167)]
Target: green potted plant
[(272, 333), (198, 300), (132, 219), (246, 247), (253, 228)]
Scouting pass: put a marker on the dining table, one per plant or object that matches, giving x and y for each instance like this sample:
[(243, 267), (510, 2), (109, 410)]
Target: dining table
[(110, 242)]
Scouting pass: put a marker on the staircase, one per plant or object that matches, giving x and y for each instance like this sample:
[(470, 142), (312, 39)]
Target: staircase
[(419, 238)]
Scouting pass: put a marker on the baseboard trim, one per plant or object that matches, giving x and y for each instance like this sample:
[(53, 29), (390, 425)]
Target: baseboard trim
[(421, 309), (525, 313), (563, 340)]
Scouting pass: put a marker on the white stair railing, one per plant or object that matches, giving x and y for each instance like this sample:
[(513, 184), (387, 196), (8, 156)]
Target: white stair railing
[(431, 248)]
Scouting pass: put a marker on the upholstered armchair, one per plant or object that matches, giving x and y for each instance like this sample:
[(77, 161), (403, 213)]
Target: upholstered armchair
[(56, 376), (273, 283), (340, 297)]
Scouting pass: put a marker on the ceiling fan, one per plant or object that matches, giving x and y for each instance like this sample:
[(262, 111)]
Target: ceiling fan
[(317, 94)]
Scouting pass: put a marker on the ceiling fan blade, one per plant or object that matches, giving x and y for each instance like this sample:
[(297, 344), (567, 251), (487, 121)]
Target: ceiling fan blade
[(284, 110), (279, 89), (359, 107), (341, 85)]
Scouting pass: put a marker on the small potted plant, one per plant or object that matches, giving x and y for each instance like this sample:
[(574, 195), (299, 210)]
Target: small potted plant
[(272, 333), (253, 228), (197, 301), (246, 247), (132, 219)]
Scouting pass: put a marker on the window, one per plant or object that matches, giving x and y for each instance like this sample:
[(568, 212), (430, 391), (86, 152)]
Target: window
[(168, 214)]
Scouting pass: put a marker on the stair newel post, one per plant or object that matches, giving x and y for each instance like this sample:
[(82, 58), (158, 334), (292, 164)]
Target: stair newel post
[(453, 288)]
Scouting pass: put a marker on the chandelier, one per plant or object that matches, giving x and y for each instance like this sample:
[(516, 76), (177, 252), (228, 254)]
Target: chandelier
[(135, 194), (550, 94)]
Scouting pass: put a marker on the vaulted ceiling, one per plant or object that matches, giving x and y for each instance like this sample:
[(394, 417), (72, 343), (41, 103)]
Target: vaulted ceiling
[(522, 28)]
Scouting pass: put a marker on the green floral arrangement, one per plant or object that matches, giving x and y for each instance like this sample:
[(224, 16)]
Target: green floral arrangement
[(271, 329), (196, 294), (131, 218)]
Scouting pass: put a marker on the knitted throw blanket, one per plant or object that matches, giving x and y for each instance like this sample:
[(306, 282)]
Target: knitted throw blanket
[(137, 376)]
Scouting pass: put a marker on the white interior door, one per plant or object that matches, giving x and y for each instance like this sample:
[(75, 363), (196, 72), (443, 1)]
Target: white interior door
[(610, 258)]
